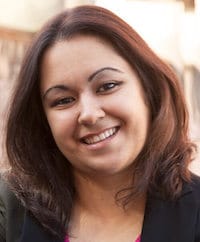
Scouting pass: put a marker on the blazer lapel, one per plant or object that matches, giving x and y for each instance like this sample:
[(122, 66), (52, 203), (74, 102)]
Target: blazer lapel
[(32, 231), (166, 221)]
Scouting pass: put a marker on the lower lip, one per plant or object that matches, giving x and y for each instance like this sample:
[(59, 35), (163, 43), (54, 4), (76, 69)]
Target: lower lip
[(101, 144)]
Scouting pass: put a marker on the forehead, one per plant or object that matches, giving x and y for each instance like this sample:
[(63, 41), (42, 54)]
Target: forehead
[(79, 45), (78, 57)]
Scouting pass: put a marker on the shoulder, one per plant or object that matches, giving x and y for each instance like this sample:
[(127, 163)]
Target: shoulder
[(193, 186), (179, 218), (11, 212), (195, 181), (2, 215), (4, 197), (5, 192), (191, 192), (7, 197), (190, 204)]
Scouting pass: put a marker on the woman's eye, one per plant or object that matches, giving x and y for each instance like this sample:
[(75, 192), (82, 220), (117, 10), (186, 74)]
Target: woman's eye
[(108, 86), (63, 101)]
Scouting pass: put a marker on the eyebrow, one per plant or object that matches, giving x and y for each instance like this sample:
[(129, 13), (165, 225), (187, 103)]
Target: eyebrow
[(61, 87), (90, 78)]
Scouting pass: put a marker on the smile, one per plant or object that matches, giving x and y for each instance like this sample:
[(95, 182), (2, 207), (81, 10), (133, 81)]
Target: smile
[(100, 137)]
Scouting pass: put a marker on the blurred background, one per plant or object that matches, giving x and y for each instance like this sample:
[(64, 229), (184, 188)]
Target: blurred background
[(170, 27)]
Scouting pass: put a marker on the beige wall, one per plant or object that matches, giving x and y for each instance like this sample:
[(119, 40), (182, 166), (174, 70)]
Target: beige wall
[(27, 14), (72, 3), (31, 14)]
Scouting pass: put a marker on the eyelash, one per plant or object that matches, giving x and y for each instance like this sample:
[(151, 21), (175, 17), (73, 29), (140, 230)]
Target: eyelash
[(63, 101), (109, 86), (66, 101)]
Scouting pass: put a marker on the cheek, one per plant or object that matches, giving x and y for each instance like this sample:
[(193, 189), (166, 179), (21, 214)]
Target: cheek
[(140, 119), (130, 107), (61, 125), (134, 113)]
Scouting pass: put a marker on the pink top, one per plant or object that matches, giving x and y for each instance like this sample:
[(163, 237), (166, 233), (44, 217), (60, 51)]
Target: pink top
[(137, 240)]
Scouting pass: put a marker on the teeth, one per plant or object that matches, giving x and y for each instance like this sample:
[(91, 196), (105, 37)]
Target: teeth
[(100, 137)]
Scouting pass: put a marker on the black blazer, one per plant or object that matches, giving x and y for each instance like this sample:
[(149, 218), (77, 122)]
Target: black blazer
[(164, 221)]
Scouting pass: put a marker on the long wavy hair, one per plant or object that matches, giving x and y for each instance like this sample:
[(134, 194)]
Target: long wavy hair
[(40, 175)]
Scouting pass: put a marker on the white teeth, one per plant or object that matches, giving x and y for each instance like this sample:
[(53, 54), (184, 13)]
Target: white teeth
[(96, 139), (107, 133), (100, 137)]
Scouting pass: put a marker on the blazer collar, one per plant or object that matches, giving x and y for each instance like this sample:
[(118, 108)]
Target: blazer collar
[(32, 231), (162, 216)]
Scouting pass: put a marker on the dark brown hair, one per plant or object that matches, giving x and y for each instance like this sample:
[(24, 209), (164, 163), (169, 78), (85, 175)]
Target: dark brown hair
[(40, 175)]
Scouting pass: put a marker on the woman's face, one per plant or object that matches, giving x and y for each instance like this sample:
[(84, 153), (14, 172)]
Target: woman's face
[(94, 104)]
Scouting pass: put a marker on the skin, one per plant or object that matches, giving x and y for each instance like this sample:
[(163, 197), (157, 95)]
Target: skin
[(87, 88)]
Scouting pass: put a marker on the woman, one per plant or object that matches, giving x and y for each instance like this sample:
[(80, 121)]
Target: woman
[(97, 139)]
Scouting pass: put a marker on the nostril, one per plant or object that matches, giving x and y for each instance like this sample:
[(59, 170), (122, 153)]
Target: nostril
[(90, 117)]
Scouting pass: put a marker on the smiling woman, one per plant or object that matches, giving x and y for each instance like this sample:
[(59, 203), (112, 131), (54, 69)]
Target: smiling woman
[(97, 135), (89, 105)]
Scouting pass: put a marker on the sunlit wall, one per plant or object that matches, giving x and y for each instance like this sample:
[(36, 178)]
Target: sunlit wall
[(165, 26)]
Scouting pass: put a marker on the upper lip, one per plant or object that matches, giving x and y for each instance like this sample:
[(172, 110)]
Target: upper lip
[(97, 133)]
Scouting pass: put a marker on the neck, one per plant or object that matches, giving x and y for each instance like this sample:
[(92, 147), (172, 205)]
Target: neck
[(96, 207), (96, 195)]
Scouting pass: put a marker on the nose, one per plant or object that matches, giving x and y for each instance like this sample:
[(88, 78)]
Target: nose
[(90, 112)]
